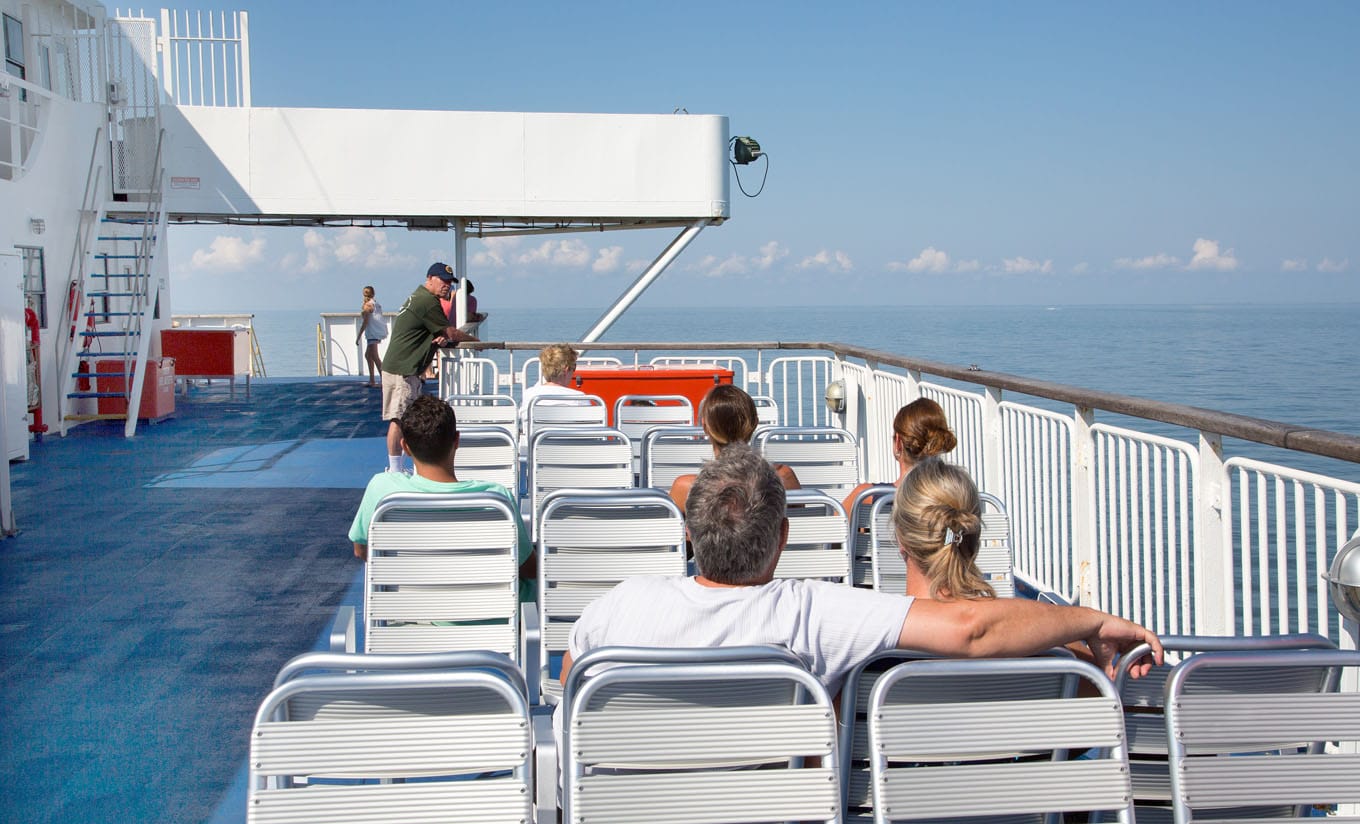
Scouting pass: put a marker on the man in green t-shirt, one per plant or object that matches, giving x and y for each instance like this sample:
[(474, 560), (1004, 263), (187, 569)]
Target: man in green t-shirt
[(419, 327), (430, 434)]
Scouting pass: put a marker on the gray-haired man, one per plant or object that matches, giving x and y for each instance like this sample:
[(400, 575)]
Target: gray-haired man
[(737, 526)]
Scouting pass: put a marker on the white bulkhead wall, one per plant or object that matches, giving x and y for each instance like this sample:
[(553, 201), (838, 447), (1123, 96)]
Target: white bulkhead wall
[(357, 162)]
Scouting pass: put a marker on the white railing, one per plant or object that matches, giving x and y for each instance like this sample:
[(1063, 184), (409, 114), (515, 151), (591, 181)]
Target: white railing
[(1286, 525), (205, 58), (1036, 486), (22, 115), (1143, 507)]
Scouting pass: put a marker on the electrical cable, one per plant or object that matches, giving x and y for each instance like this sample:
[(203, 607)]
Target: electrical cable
[(737, 173)]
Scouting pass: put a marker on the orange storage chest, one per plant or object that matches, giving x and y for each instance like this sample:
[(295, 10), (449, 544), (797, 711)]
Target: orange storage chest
[(613, 382), (158, 390)]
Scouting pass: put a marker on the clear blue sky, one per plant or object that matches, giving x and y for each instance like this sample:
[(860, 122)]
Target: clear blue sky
[(921, 153)]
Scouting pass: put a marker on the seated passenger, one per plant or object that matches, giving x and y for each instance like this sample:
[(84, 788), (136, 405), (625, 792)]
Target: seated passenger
[(937, 517), (920, 430), (557, 366), (429, 434), (728, 416), (738, 528)]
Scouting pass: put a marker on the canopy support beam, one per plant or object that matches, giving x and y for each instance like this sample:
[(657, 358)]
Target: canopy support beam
[(669, 254)]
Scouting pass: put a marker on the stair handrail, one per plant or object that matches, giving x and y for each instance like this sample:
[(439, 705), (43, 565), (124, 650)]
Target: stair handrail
[(75, 309), (140, 316)]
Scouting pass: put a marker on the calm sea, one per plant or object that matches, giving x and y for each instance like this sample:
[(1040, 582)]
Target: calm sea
[(1289, 363)]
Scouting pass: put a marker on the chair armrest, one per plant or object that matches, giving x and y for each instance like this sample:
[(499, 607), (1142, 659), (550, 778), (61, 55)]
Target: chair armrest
[(546, 779), (342, 630), (531, 635)]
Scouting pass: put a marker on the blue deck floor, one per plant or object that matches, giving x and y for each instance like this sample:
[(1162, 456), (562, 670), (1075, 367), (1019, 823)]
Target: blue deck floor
[(156, 586)]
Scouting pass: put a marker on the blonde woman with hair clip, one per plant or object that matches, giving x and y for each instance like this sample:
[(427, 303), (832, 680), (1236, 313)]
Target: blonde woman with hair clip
[(937, 516), (728, 416)]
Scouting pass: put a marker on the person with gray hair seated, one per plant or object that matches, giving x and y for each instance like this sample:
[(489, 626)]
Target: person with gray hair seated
[(737, 526)]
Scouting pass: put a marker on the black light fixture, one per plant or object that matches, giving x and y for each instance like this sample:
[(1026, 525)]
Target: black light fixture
[(745, 150)]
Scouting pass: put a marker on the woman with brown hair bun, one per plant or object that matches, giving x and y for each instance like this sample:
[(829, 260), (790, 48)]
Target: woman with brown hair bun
[(937, 516), (728, 415), (920, 430)]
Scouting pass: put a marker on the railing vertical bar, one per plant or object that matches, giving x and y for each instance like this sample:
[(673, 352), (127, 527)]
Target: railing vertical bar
[(1300, 610), (1163, 518), (1320, 542), (1244, 549), (1280, 558)]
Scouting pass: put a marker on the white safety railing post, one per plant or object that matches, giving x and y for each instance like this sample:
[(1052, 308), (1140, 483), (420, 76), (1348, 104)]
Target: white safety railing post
[(1213, 564), (992, 459), (1084, 548)]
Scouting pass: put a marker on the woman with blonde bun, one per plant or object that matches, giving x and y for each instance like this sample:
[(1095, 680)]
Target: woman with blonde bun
[(920, 430), (728, 415), (372, 328), (937, 516)]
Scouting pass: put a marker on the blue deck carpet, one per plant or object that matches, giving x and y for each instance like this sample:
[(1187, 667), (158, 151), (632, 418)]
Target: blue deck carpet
[(156, 586)]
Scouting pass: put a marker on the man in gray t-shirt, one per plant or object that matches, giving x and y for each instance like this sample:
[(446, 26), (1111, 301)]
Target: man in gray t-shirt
[(737, 526)]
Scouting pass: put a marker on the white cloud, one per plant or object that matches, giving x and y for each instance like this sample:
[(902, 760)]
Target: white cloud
[(228, 253), (568, 252), (930, 260), (831, 261), (1023, 265), (972, 265), (1329, 265), (607, 259), (1081, 268), (1161, 260), (1294, 265), (736, 263), (495, 252), (1208, 256), (352, 246)]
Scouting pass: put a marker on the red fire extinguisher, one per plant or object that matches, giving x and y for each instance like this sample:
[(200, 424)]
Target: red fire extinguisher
[(32, 357)]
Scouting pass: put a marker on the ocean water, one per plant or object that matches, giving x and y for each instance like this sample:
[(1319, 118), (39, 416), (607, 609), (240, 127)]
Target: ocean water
[(1294, 363)]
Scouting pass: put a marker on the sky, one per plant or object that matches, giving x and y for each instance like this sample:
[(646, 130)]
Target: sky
[(920, 153)]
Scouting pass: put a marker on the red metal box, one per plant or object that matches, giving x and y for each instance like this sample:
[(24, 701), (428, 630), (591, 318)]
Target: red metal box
[(158, 390), (203, 353), (613, 382)]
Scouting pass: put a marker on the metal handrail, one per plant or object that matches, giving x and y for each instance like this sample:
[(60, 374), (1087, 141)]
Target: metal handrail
[(1244, 427)]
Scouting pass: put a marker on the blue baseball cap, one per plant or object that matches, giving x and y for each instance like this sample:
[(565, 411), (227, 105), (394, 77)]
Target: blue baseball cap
[(443, 271)]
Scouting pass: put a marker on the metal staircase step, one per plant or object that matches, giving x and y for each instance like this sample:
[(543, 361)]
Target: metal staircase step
[(107, 256), (88, 375), (112, 294), (110, 314), (114, 416), (124, 237), (119, 274), (110, 355), (118, 334), (97, 394)]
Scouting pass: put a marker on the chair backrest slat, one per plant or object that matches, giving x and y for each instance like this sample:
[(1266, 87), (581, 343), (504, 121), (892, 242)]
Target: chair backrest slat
[(822, 457)]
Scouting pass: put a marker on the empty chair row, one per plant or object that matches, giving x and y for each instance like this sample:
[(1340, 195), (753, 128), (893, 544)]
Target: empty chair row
[(656, 735)]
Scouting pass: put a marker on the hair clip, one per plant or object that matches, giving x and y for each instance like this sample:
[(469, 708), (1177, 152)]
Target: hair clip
[(952, 537)]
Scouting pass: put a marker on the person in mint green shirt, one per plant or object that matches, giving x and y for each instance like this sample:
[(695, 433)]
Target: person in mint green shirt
[(429, 434)]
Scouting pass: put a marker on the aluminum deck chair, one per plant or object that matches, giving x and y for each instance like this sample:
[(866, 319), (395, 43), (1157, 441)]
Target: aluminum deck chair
[(860, 516), (563, 411), (462, 373), (441, 743), (671, 451), (697, 735), (767, 410), (995, 558), (442, 574), (853, 729), (1263, 747), (935, 753), (584, 457), (588, 541), (487, 453), (823, 457), (1144, 706), (486, 410), (817, 545), (636, 415)]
